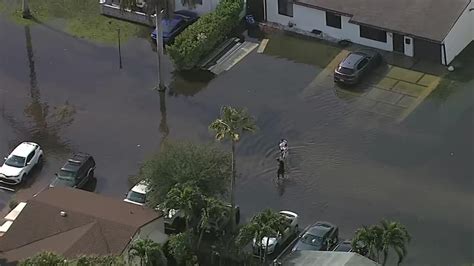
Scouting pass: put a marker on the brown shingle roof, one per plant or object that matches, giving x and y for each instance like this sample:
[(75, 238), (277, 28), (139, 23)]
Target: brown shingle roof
[(94, 224), (428, 19)]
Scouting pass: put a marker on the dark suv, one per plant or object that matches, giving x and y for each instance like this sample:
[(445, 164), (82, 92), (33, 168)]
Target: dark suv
[(76, 172), (356, 65)]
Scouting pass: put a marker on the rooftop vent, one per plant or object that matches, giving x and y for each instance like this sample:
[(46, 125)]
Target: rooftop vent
[(63, 213)]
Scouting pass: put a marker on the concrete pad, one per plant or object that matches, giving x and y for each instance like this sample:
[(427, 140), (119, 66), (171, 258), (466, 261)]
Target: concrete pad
[(406, 101), (366, 104), (388, 110), (409, 88), (386, 96), (404, 74), (326, 75), (427, 79), (386, 83), (262, 46)]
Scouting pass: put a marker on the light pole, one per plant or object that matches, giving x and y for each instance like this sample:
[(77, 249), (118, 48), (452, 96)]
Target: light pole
[(159, 47)]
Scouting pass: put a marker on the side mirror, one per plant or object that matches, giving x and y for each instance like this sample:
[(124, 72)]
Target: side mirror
[(5, 158), (28, 163)]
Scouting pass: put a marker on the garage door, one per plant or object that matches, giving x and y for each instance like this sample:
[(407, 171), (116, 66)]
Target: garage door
[(427, 50)]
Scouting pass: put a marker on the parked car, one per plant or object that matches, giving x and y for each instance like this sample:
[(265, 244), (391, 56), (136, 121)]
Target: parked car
[(173, 26), (20, 162), (344, 246), (356, 65), (137, 195), (76, 172), (274, 242), (319, 236)]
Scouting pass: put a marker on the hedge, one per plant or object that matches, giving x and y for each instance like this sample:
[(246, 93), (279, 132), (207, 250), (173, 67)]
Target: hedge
[(199, 39)]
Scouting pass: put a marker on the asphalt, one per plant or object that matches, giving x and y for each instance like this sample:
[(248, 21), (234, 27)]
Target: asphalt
[(346, 165)]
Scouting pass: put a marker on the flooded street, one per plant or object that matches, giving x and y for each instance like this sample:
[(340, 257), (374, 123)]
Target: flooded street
[(347, 166)]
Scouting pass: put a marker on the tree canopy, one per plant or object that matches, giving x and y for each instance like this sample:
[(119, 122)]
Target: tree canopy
[(205, 167)]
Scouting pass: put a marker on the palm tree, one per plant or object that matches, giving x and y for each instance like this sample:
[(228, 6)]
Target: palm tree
[(368, 239), (185, 198), (265, 224), (149, 252), (395, 236), (212, 213), (231, 124)]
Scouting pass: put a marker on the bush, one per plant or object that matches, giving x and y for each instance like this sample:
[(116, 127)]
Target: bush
[(202, 37)]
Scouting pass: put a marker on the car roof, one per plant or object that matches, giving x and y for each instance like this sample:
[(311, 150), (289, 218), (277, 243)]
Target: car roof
[(320, 228), (141, 187), (352, 60), (76, 161), (24, 149)]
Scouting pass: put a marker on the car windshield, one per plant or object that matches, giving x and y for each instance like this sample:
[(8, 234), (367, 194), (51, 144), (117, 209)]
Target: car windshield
[(15, 161), (345, 70), (66, 175), (312, 240), (136, 197)]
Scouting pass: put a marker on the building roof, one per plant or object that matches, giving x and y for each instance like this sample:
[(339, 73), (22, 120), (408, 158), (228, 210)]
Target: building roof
[(326, 258), (427, 19), (92, 224)]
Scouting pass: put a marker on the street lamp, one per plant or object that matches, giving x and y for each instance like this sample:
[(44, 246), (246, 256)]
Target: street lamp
[(159, 47)]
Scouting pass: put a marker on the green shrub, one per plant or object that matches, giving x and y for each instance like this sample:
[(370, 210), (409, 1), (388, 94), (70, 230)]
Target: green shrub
[(202, 37)]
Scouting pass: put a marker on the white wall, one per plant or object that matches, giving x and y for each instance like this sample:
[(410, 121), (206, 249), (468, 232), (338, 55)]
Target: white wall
[(460, 35), (308, 19), (206, 7)]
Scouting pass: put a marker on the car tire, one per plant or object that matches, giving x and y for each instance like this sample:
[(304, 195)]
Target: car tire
[(40, 161)]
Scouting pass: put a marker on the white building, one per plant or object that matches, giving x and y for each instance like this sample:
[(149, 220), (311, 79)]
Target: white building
[(428, 29)]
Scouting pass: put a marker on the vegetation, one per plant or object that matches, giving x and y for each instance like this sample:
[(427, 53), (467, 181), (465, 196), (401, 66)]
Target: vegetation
[(231, 124), (380, 239), (180, 247), (205, 167), (199, 39), (47, 258), (148, 252), (82, 19), (265, 224)]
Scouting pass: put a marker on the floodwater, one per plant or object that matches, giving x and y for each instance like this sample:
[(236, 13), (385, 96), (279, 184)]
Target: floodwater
[(346, 166)]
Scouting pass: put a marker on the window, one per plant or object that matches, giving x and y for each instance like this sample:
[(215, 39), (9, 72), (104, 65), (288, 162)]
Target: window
[(373, 34), (333, 20), (285, 7), (362, 63), (30, 156)]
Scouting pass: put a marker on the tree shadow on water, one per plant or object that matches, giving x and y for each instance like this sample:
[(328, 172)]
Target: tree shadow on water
[(189, 83)]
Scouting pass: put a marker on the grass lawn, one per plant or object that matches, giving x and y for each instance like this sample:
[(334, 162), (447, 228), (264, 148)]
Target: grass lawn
[(82, 19), (301, 49)]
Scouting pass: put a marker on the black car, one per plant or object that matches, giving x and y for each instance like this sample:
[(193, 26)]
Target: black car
[(320, 236), (356, 65), (76, 172), (344, 246)]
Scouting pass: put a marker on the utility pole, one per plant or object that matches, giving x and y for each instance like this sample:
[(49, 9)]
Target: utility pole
[(119, 50), (159, 47), (26, 10)]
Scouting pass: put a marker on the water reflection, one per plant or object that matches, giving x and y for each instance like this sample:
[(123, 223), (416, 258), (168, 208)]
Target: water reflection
[(46, 122), (188, 83), (164, 129)]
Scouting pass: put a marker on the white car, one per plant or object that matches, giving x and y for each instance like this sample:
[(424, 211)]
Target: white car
[(20, 163), (137, 195), (281, 238)]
